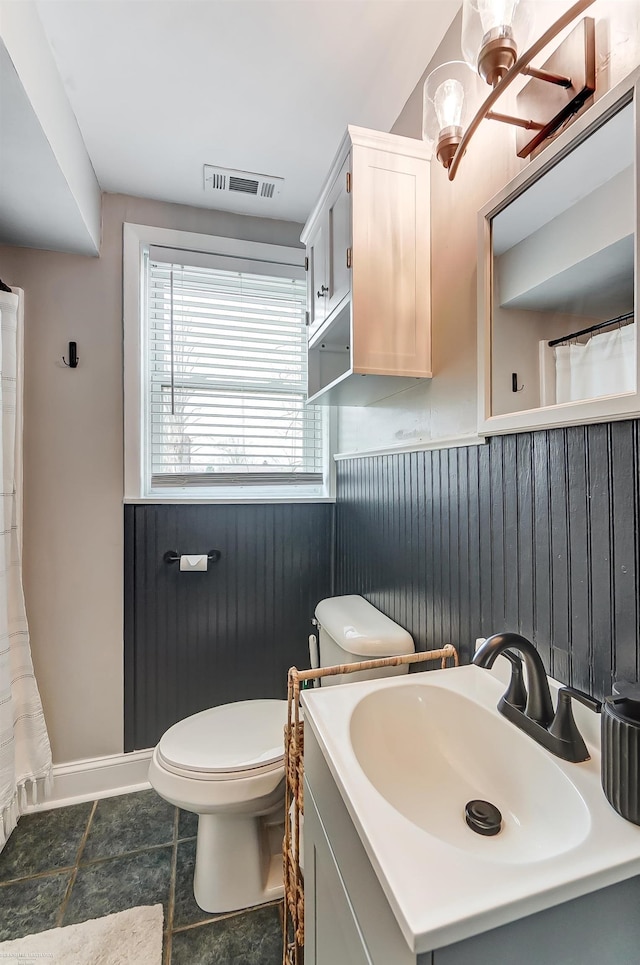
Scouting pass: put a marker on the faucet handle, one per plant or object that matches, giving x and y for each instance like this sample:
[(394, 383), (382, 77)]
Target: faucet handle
[(516, 693), (563, 726), (591, 702)]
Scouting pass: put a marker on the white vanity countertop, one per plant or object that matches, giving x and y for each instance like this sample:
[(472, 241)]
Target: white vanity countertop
[(441, 892)]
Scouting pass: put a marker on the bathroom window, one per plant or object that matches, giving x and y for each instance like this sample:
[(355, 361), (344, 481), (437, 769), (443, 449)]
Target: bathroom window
[(222, 388)]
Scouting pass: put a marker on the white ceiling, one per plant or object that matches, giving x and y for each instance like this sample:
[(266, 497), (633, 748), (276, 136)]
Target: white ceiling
[(161, 87)]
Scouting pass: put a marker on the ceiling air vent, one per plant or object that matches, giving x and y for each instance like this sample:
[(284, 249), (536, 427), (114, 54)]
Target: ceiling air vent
[(228, 181)]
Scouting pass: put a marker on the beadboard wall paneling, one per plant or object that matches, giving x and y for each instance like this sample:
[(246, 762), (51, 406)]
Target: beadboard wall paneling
[(535, 532), (196, 640)]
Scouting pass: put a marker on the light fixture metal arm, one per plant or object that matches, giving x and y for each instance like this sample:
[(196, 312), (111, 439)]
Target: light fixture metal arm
[(558, 79), (518, 68), (516, 121)]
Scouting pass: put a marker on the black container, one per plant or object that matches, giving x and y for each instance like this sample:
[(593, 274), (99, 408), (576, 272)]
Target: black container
[(621, 750)]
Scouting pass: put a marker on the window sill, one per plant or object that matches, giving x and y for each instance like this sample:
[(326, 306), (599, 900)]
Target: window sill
[(190, 499)]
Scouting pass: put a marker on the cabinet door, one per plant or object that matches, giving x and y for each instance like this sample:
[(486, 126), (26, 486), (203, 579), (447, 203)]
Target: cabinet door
[(391, 273), (317, 282), (332, 934), (339, 237)]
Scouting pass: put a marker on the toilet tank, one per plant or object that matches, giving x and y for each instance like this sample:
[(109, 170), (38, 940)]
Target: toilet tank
[(351, 630)]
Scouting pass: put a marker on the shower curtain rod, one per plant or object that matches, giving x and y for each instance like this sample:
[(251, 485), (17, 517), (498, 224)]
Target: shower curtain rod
[(592, 328)]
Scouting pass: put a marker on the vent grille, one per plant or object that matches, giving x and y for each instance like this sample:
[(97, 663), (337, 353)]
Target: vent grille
[(219, 182), (241, 182)]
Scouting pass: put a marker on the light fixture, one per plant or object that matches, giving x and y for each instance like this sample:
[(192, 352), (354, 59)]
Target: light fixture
[(493, 31), (447, 108)]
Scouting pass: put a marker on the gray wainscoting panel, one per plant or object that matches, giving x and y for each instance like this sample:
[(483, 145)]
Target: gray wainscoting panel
[(196, 640), (535, 532)]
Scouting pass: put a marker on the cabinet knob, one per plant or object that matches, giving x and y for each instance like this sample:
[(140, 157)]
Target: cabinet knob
[(323, 291)]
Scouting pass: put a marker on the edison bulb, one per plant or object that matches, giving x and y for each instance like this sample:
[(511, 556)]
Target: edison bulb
[(496, 14), (448, 102)]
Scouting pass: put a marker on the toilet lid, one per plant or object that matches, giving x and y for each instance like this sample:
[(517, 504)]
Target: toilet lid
[(234, 737)]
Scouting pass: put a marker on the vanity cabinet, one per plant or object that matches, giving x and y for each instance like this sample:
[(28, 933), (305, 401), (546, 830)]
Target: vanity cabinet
[(368, 271), (349, 919)]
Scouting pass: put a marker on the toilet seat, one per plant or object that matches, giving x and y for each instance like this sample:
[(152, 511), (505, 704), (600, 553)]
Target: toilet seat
[(214, 776), (229, 742)]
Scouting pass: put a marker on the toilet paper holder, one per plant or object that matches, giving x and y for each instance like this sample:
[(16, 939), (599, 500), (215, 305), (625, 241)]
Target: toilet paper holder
[(172, 556)]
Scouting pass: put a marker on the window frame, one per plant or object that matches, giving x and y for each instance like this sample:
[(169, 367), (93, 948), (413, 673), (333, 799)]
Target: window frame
[(137, 239)]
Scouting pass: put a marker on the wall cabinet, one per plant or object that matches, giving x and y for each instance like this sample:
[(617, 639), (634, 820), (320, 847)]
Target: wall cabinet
[(328, 246), (316, 277), (368, 271), (349, 919)]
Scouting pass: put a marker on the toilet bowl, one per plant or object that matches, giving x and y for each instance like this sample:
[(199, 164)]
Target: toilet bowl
[(226, 765)]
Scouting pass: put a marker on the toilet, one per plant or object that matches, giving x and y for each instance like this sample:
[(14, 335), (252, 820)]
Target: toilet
[(351, 630), (226, 764)]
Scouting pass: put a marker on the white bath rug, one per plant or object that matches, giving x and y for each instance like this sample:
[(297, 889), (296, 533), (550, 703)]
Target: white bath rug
[(132, 937)]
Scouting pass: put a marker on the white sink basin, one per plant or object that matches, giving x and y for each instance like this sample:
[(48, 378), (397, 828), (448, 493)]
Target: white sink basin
[(408, 753), (429, 751)]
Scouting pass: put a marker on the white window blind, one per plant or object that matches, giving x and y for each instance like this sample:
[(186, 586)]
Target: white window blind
[(227, 378)]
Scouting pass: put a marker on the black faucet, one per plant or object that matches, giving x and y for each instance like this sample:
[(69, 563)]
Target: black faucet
[(532, 711)]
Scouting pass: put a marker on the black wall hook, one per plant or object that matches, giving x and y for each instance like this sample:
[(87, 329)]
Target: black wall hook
[(73, 356)]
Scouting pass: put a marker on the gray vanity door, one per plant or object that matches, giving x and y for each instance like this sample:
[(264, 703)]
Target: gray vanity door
[(342, 893), (332, 934)]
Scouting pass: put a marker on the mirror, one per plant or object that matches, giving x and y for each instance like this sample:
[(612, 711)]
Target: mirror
[(560, 343)]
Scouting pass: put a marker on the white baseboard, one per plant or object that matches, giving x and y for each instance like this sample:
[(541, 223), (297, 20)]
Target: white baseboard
[(100, 777)]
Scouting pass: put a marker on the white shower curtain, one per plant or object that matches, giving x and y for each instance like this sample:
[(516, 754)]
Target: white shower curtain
[(605, 365), (25, 754)]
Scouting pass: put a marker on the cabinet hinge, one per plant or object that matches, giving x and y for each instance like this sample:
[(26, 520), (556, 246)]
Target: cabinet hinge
[(306, 264), (348, 257), (348, 182)]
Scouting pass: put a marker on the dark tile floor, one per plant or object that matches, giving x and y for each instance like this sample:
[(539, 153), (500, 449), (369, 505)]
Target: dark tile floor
[(87, 860)]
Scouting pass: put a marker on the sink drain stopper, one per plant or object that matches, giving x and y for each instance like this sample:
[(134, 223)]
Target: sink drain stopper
[(483, 817)]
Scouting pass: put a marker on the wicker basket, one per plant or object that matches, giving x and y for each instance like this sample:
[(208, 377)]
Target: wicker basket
[(293, 953)]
